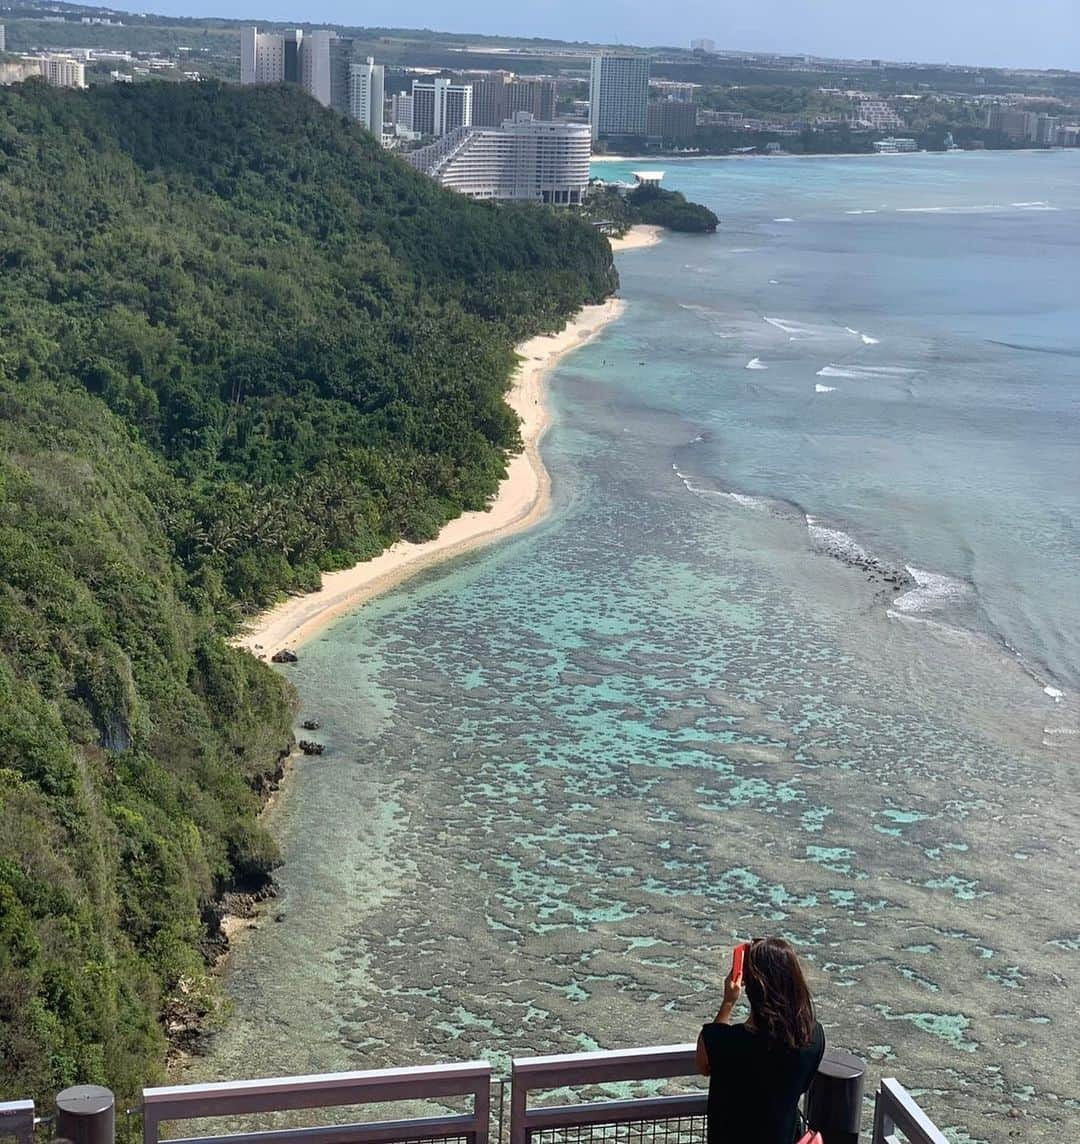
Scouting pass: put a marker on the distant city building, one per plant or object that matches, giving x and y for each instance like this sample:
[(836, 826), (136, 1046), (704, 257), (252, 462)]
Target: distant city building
[(619, 95), (524, 159), (289, 57), (1046, 129), (499, 97), (671, 89), (878, 114), (703, 45), (401, 110), (894, 146), (3, 39), (366, 95), (672, 120), (315, 73), (56, 70), (1016, 125), (440, 105)]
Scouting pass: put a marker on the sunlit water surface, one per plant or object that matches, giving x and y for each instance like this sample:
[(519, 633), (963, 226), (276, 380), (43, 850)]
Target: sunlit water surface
[(563, 775)]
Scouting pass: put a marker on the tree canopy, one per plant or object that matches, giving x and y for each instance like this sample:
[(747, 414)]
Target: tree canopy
[(239, 345)]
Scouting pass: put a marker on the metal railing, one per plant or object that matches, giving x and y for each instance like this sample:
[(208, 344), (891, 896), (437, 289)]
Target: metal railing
[(17, 1120), (288, 1094), (648, 1117), (895, 1110)]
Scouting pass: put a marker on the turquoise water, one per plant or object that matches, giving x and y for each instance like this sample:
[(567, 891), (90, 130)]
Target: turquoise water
[(706, 699)]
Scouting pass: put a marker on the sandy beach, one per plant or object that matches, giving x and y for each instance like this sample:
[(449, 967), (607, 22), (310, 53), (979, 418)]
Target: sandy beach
[(637, 238), (523, 498)]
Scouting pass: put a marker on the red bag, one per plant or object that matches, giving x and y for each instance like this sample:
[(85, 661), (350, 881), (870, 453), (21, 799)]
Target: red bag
[(812, 1138)]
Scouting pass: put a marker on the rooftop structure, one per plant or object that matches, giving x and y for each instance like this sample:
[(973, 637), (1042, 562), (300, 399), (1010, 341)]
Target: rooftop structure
[(524, 159)]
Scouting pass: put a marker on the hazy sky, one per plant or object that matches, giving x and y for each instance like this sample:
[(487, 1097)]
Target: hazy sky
[(1022, 33)]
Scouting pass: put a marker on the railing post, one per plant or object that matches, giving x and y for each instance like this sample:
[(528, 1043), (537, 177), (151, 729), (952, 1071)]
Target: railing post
[(482, 1109), (86, 1114), (834, 1099), (883, 1126), (519, 1096)]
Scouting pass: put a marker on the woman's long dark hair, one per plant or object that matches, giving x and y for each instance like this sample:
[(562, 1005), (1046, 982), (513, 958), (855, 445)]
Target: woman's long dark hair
[(780, 1003)]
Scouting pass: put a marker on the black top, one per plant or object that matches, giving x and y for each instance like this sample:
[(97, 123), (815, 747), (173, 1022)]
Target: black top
[(755, 1085)]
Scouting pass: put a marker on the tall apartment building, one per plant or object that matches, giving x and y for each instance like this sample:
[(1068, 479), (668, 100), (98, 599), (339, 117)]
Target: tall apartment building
[(315, 70), (440, 105), (401, 110), (524, 159), (293, 57), (703, 45), (3, 39), (500, 97), (619, 95), (672, 120), (1016, 125), (366, 98)]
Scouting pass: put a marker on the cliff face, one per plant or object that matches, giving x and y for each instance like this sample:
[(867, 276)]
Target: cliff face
[(239, 344)]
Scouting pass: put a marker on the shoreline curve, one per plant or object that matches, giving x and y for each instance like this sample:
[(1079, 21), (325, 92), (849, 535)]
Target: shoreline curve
[(523, 498)]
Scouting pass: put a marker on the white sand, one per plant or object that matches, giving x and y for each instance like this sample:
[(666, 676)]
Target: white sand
[(637, 237), (523, 499)]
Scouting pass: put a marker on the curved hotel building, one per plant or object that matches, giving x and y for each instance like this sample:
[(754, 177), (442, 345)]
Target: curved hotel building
[(537, 161)]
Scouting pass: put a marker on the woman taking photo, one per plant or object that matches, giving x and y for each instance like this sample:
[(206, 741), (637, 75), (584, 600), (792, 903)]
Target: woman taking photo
[(758, 1070)]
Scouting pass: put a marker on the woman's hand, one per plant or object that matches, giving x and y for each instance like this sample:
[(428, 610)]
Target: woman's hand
[(732, 990)]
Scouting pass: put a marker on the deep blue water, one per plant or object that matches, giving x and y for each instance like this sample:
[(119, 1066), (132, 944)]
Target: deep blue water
[(563, 775)]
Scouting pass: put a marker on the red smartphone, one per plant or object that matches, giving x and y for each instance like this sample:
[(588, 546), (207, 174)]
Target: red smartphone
[(737, 961)]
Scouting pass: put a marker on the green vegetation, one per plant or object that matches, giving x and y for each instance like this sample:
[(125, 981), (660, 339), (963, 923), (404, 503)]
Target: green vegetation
[(239, 344), (620, 210), (670, 209)]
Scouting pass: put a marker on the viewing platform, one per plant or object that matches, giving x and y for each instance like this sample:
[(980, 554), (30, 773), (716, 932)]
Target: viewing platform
[(578, 1098)]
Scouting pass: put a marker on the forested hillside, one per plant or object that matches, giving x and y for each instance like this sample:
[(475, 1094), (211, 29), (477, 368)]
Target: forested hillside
[(239, 344)]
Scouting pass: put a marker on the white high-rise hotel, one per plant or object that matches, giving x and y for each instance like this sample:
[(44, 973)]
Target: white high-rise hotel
[(619, 95), (524, 159)]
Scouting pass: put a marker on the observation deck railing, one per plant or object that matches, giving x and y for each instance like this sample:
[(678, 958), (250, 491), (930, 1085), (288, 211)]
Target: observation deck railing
[(329, 1090), (895, 1109), (650, 1119), (647, 1118), (17, 1120)]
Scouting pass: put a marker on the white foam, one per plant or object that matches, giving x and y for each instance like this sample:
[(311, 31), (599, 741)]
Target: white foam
[(866, 372), (932, 590), (759, 504), (1055, 693), (773, 282), (861, 212), (854, 333), (783, 220), (867, 340), (835, 541), (1037, 203), (697, 309), (756, 363), (819, 388), (799, 329)]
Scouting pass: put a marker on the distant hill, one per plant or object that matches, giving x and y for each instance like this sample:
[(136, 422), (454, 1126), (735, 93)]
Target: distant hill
[(239, 344)]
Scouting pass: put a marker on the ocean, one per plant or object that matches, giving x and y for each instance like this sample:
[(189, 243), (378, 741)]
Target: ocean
[(797, 652)]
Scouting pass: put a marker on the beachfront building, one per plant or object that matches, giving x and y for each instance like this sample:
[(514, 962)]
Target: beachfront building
[(524, 159), (3, 39), (619, 95), (366, 95), (440, 105)]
